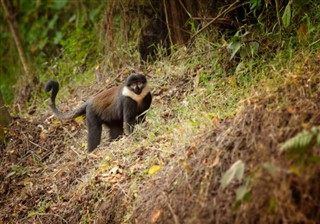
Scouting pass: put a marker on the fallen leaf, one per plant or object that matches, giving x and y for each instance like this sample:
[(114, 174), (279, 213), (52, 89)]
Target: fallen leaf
[(185, 165), (216, 160), (155, 216), (154, 169), (126, 71), (295, 170), (292, 110), (114, 170), (103, 167), (77, 121), (43, 136), (302, 32), (215, 121), (192, 149)]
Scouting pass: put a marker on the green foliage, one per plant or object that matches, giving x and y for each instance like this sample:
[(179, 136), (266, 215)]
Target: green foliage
[(286, 17), (236, 171), (255, 4), (273, 205), (238, 45), (18, 171), (301, 146), (271, 168), (49, 30), (242, 193), (303, 140)]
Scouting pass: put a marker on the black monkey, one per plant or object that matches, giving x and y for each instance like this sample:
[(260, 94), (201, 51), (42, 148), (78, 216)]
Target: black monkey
[(113, 107)]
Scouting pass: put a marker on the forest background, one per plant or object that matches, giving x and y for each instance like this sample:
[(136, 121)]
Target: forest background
[(233, 133)]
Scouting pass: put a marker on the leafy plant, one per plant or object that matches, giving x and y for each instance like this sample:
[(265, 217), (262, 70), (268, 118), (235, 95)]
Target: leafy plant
[(18, 171), (286, 17), (236, 171), (238, 45), (303, 140), (242, 193)]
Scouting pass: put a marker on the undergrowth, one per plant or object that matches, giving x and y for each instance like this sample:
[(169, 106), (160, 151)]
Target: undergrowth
[(215, 103)]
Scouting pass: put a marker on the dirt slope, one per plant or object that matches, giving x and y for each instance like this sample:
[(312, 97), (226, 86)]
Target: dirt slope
[(47, 178)]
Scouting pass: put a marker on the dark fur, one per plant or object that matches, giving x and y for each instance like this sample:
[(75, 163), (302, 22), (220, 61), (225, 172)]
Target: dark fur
[(110, 107)]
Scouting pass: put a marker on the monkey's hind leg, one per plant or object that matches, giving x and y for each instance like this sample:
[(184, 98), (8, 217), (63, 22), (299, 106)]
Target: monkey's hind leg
[(94, 132)]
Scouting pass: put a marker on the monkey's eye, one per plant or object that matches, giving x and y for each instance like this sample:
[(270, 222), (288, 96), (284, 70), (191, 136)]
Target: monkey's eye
[(133, 85), (140, 84)]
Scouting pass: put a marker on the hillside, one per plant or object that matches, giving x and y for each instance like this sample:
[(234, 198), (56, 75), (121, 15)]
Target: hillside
[(170, 170), (232, 135)]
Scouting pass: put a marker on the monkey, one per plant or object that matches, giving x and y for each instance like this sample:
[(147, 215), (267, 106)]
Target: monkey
[(119, 108)]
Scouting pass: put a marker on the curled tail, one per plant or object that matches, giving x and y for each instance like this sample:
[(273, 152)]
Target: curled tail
[(54, 86)]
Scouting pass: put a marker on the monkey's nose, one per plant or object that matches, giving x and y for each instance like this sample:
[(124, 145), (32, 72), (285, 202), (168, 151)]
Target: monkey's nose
[(137, 90)]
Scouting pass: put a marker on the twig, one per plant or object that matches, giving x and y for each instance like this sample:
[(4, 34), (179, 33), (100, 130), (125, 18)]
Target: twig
[(227, 10), (189, 14), (167, 22), (39, 146), (122, 190), (175, 217), (313, 43)]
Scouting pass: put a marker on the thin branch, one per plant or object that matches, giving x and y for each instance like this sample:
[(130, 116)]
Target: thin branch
[(167, 22), (185, 9), (175, 217), (227, 10)]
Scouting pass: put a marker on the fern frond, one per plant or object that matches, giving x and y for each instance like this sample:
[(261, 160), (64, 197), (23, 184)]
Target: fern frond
[(302, 140)]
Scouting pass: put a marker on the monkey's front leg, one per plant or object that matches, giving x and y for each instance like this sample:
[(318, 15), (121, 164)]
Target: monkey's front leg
[(129, 125), (129, 120)]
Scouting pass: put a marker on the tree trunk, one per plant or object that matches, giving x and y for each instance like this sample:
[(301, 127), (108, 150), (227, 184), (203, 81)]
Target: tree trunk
[(176, 18), (28, 80), (15, 34)]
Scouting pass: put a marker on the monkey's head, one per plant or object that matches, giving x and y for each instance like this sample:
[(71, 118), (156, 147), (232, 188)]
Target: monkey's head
[(136, 83)]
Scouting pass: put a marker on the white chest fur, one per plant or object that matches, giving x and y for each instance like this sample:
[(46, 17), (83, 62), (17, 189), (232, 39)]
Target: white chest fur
[(138, 98)]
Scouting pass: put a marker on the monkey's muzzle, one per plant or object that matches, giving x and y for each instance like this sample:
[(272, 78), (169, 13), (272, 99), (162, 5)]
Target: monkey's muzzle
[(137, 90)]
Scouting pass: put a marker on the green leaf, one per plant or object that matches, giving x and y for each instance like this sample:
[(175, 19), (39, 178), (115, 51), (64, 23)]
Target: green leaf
[(273, 204), (244, 51), (286, 17), (249, 49), (58, 37), (241, 192), (234, 47), (255, 4), (235, 171), (273, 170), (10, 174), (301, 141), (254, 47), (93, 13), (52, 22), (58, 4)]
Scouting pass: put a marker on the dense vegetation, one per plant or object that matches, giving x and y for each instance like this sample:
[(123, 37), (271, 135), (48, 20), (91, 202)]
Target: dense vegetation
[(233, 135)]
